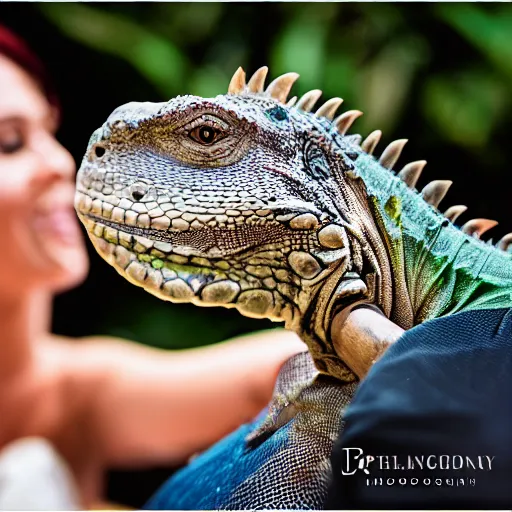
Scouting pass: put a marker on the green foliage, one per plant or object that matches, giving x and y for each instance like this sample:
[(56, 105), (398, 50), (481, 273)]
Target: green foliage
[(125, 38), (466, 107), (178, 326), (489, 31)]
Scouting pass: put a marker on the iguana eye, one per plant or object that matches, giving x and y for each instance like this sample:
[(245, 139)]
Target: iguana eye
[(205, 134)]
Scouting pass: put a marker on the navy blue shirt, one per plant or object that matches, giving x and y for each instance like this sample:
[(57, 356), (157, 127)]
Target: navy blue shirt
[(435, 414)]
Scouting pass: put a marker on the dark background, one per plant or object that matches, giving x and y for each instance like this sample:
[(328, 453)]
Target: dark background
[(438, 74)]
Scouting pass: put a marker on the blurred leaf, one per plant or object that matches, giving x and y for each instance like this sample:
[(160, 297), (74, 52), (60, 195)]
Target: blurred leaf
[(491, 33), (187, 22), (384, 83), (209, 81), (153, 56), (377, 22), (300, 46), (340, 74), (227, 55), (466, 107), (177, 326)]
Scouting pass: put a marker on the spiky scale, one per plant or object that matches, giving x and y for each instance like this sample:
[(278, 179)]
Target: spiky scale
[(392, 153), (505, 242), (345, 121), (328, 109), (354, 139), (237, 84), (308, 100), (257, 82), (281, 86), (411, 173), (477, 227), (370, 143), (435, 191), (454, 212), (291, 102)]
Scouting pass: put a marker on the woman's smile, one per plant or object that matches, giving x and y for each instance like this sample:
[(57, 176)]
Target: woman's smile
[(55, 219)]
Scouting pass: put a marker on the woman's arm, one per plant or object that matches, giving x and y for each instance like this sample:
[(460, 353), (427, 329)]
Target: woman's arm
[(153, 406)]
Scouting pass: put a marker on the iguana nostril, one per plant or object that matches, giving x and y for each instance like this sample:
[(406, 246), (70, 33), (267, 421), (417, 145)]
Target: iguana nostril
[(138, 195), (138, 191)]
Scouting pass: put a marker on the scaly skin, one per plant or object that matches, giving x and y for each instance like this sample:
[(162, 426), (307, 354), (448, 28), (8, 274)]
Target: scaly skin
[(242, 201)]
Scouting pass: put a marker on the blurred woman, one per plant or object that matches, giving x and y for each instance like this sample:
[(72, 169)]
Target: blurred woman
[(100, 402)]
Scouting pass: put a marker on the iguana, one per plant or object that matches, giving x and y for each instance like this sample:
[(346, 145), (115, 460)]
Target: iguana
[(249, 200)]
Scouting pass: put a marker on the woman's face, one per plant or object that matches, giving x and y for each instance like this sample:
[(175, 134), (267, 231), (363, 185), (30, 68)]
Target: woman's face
[(41, 243)]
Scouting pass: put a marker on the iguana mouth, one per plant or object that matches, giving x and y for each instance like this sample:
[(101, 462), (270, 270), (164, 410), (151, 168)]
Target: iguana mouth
[(208, 242), (249, 283)]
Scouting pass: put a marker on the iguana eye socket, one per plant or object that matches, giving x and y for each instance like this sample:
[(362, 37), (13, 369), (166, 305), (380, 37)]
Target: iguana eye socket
[(205, 134)]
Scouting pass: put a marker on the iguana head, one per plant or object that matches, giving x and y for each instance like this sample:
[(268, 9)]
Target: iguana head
[(245, 200), (227, 201)]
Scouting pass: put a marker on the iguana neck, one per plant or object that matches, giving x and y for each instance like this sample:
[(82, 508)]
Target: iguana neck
[(441, 269)]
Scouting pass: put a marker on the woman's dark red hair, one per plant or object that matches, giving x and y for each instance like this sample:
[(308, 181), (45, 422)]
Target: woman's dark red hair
[(15, 49)]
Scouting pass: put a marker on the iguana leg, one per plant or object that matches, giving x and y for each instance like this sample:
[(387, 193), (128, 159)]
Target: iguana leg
[(361, 335)]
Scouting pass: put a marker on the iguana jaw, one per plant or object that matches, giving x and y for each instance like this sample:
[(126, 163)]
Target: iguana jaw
[(271, 277)]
